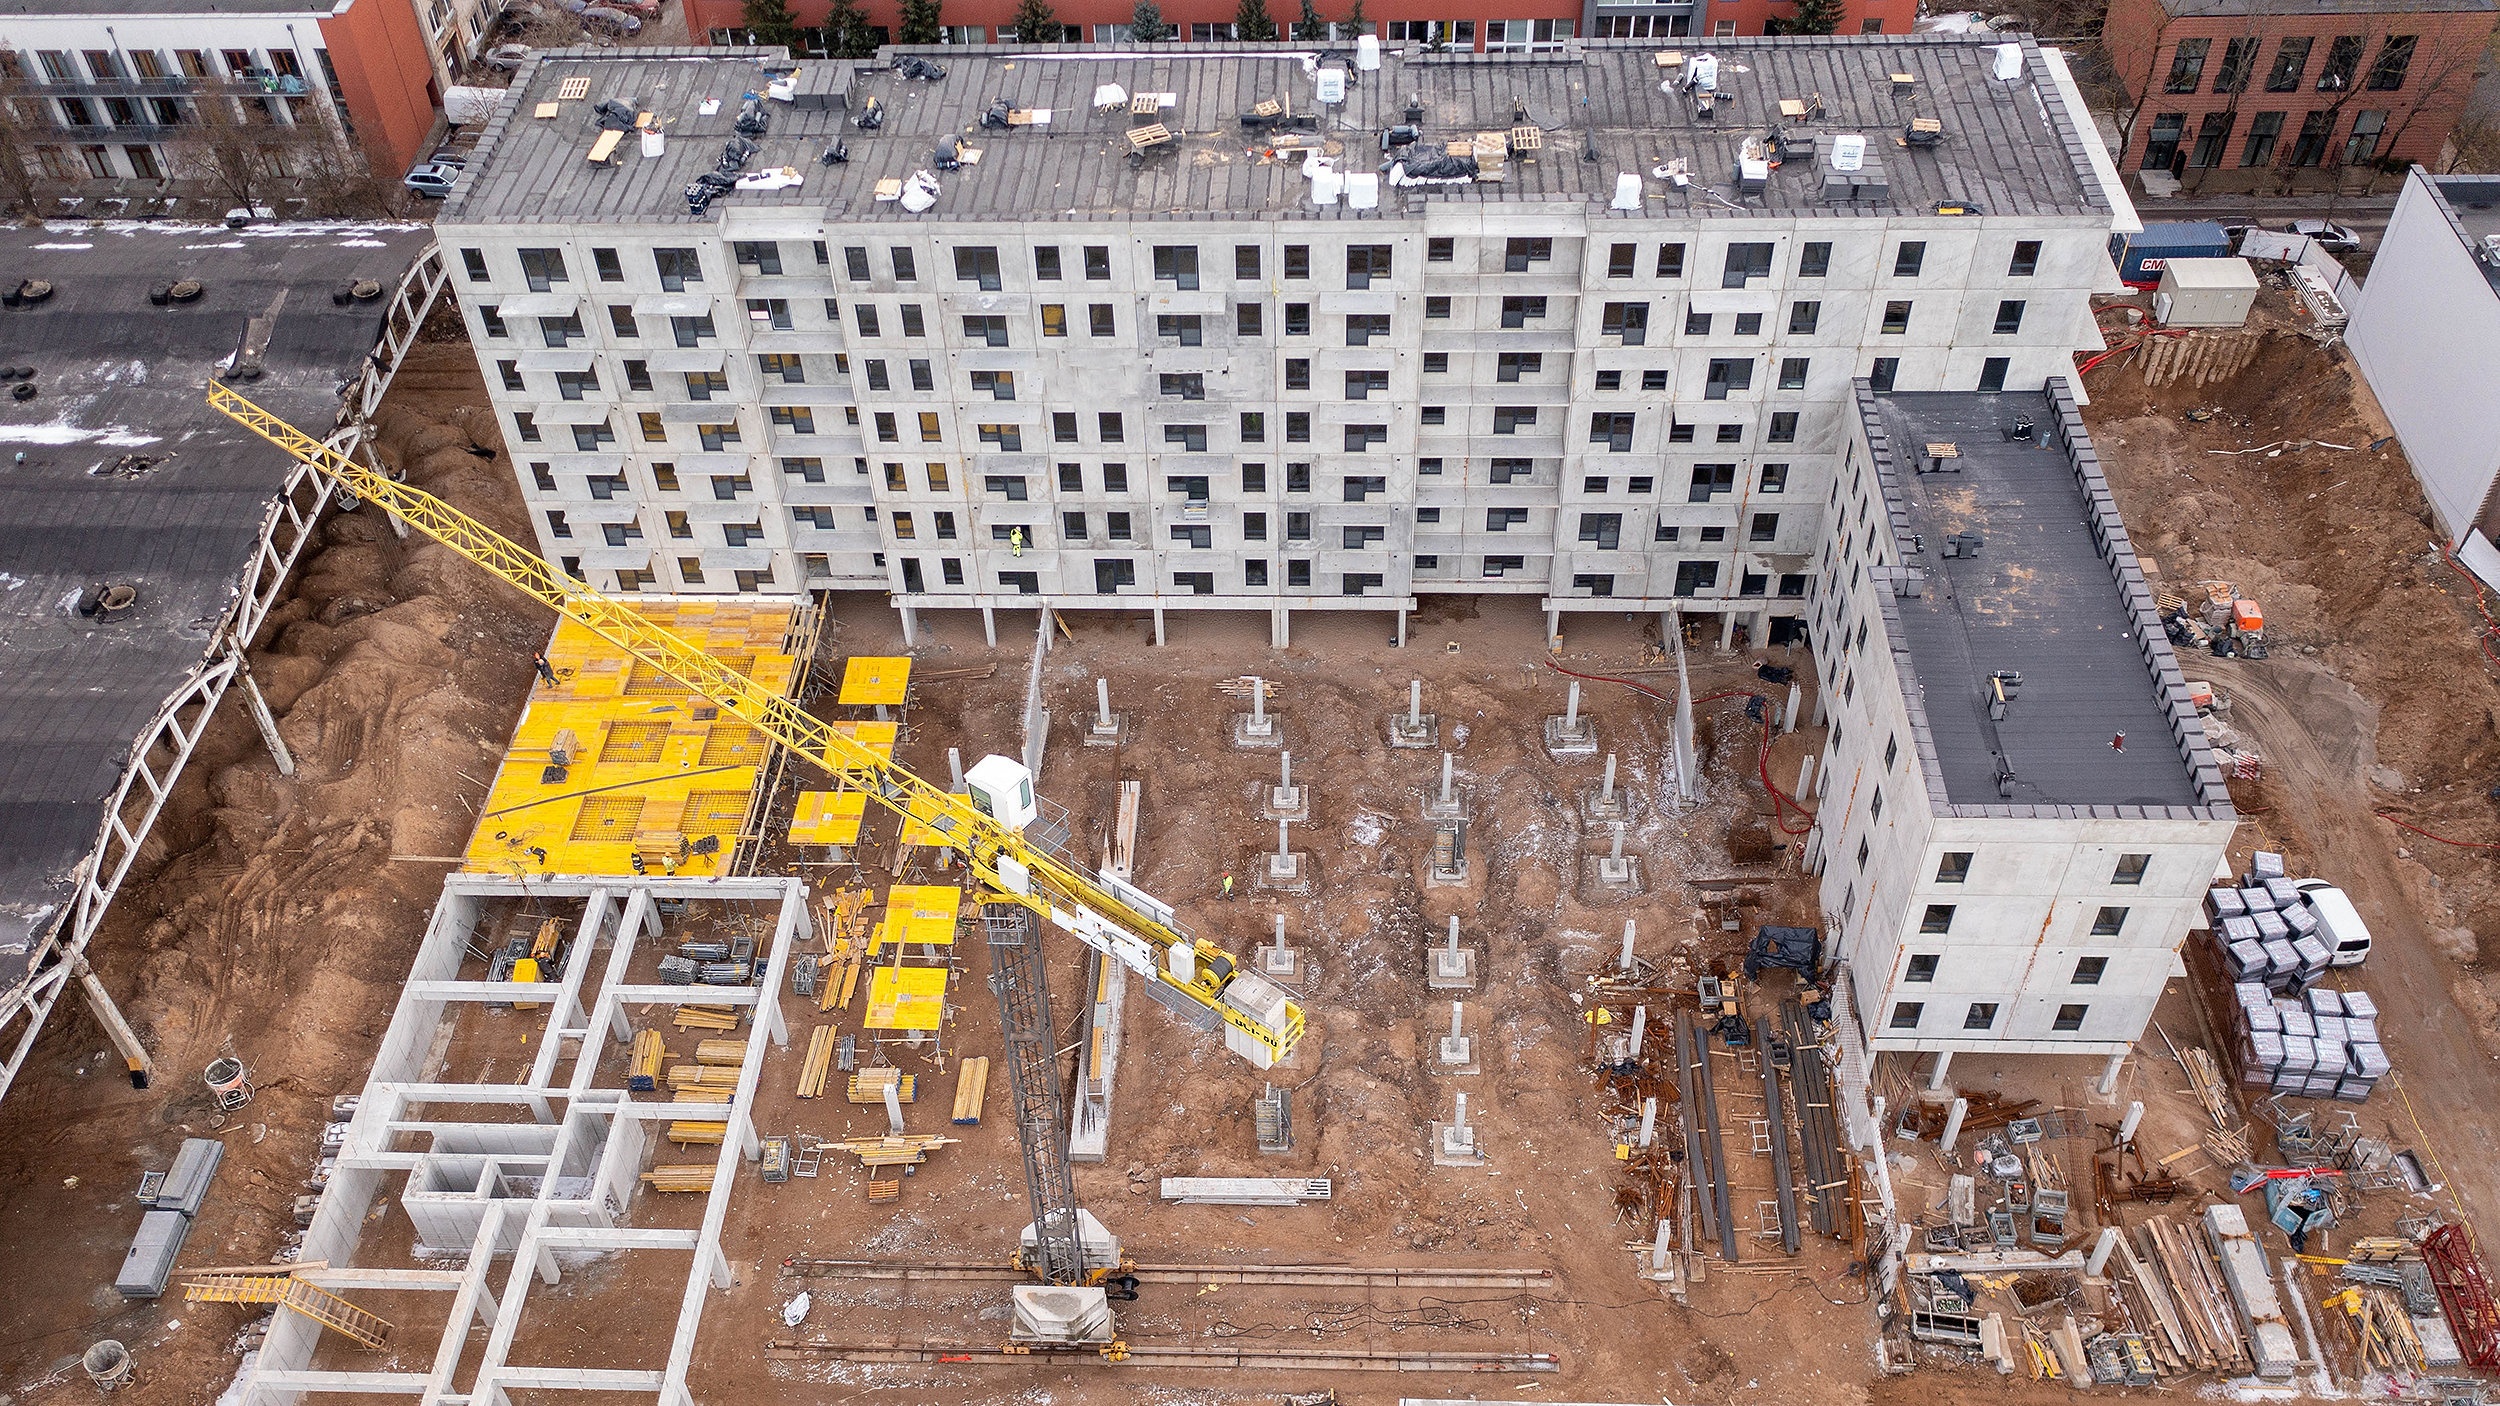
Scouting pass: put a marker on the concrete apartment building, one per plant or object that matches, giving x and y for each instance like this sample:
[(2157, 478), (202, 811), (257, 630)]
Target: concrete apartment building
[(121, 92), (2425, 330), (2249, 95), (1180, 382), (2015, 875), (1537, 26)]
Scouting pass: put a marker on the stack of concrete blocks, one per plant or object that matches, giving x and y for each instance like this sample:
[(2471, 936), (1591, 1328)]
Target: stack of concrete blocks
[(1415, 728), (2325, 1045), (2266, 933), (1571, 735), (1450, 967)]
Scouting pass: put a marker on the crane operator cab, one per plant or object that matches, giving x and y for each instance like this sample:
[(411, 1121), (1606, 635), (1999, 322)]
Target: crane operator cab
[(1002, 789)]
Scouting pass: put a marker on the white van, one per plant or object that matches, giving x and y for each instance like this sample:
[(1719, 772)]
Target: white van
[(2339, 923)]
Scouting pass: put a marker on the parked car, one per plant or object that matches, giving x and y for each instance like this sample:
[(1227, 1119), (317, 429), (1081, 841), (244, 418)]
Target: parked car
[(2328, 235), (431, 179), (612, 20), (506, 57), (2347, 938)]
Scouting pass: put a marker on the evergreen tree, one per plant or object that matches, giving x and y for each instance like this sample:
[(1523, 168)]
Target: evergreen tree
[(922, 23), (1311, 28), (1817, 17), (1251, 23), (1356, 22), (1145, 24), (771, 22), (848, 34), (1037, 23)]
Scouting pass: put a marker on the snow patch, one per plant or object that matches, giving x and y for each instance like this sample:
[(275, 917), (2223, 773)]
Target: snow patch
[(62, 432), (62, 246)]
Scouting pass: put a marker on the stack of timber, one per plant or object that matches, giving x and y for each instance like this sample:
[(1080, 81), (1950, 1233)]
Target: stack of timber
[(819, 1059), (2197, 1296), (706, 1018), (972, 1084), (869, 1085), (680, 1176), (702, 1076), (898, 1151), (642, 1069), (731, 1052), (686, 1130)]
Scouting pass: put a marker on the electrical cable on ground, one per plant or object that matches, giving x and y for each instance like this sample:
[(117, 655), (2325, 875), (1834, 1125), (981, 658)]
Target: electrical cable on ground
[(2425, 834), (1781, 801)]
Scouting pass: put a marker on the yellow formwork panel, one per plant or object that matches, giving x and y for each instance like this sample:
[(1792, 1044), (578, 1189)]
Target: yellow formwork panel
[(878, 679), (610, 763), (828, 817), (906, 998)]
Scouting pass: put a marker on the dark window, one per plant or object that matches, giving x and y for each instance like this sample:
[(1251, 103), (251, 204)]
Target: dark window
[(2238, 57), (1764, 528), (1609, 381), (1185, 328), (1245, 261), (1939, 918), (2343, 60), (1814, 260), (1253, 428), (492, 321), (1793, 585), (1804, 316), (1727, 374), (2264, 129), (690, 331), (1905, 1014), (1510, 366), (855, 264), (2026, 261), (1046, 263), (2069, 1018), (1992, 374), (1177, 265), (1630, 321), (1885, 369), (1190, 439), (1441, 250), (2367, 126), (2213, 135), (1357, 538), (1297, 374), (1923, 964), (543, 268), (1953, 867), (761, 255), (1297, 527), (1190, 385), (1783, 427), (2187, 66), (978, 266), (2010, 312), (1361, 327), (2088, 971), (2108, 921), (1621, 259), (1981, 1016), (1297, 319), (1670, 261), (1437, 307), (2131, 869), (1099, 322), (1365, 262), (511, 372), (1519, 312), (1612, 430), (1909, 258), (525, 425), (1746, 261), (677, 268), (1360, 384), (1108, 427), (1602, 530), (1510, 419), (2291, 60), (1503, 471), (1710, 480), (2309, 148), (1495, 566), (1248, 320), (1696, 323), (1748, 324), (1097, 262), (912, 324), (475, 261), (1297, 478), (865, 316), (906, 268), (1694, 577), (2161, 144), (1298, 573), (1793, 373), (990, 330), (1517, 254), (1504, 519), (1297, 427), (1297, 261)]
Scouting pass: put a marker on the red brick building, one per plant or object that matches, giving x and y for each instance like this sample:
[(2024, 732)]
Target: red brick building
[(1526, 25), (2229, 96)]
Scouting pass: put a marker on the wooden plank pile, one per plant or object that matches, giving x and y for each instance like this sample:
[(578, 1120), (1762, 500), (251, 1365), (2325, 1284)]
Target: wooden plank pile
[(697, 1131), (869, 1085), (903, 1150), (972, 1084), (819, 1059), (642, 1069), (2206, 1330), (702, 1076), (680, 1176), (706, 1018), (729, 1052)]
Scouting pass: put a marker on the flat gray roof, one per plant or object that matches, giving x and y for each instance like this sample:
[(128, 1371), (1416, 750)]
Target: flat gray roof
[(2010, 148), (2038, 598)]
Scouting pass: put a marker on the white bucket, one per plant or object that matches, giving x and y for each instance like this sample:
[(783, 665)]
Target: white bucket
[(225, 1074)]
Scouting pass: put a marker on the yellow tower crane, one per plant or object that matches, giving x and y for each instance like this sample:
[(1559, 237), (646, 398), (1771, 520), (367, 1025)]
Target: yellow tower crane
[(1198, 980)]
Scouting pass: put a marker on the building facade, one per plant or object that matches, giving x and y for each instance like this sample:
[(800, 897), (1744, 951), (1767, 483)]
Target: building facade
[(2425, 330), (2240, 95), (2020, 813), (143, 95), (1540, 26), (1230, 397)]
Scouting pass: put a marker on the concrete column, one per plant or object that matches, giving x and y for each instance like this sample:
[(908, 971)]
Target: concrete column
[(134, 1055), (1449, 778), (894, 1110), (1649, 1124), (955, 766), (1788, 717), (989, 625), (911, 625), (722, 1277), (1805, 775), (268, 721), (1553, 627), (2109, 1075), (1461, 1119), (1936, 1072), (1658, 1246), (1625, 962), (1102, 704), (1455, 1009), (1158, 627), (1414, 704), (1285, 777), (1606, 790), (1258, 695), (1453, 931), (1571, 708), (1617, 855), (2101, 1248), (2128, 1124), (1280, 628), (1640, 1029), (1401, 627), (1727, 630), (1953, 1124)]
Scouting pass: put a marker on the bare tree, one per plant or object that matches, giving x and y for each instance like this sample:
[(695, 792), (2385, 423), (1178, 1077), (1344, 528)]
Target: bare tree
[(21, 126), (230, 147)]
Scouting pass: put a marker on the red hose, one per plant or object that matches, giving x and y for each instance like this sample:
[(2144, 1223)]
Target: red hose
[(2425, 834), (1781, 803)]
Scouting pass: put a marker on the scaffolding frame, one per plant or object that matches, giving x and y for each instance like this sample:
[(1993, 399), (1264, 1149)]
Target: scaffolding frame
[(600, 1132)]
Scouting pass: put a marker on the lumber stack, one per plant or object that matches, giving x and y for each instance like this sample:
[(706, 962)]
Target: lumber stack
[(681, 1176), (687, 1130), (903, 1151), (2197, 1295), (972, 1084), (702, 1076), (703, 1093), (819, 1059), (869, 1085), (706, 1018), (730, 1052), (642, 1068)]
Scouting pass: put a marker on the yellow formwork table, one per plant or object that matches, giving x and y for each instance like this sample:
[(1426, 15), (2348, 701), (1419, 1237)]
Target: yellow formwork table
[(876, 737), (875, 679), (828, 817), (906, 998), (919, 913)]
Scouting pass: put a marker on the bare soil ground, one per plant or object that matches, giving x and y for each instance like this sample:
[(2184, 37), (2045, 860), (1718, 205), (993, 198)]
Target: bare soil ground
[(2377, 700)]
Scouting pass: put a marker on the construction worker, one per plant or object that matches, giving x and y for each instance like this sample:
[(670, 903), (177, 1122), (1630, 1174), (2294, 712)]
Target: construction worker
[(1015, 541), (1228, 884), (538, 661)]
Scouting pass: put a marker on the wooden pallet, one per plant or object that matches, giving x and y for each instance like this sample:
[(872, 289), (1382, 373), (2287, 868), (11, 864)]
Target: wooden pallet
[(869, 1085), (642, 1069), (731, 1052), (972, 1085), (684, 1176), (885, 1191), (819, 1060), (687, 1131)]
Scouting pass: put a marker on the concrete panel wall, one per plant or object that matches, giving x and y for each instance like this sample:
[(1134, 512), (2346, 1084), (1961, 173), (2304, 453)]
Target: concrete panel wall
[(2426, 334)]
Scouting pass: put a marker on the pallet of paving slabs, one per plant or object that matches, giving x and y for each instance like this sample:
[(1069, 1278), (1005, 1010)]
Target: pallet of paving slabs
[(702, 1076), (819, 1059), (972, 1085), (869, 1085), (642, 1068)]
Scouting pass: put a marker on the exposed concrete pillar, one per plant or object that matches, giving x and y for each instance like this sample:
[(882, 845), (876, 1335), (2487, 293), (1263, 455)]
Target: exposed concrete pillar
[(2128, 1124), (1279, 628), (989, 625), (1449, 778), (1553, 627), (1805, 775), (1158, 627), (911, 625), (1571, 708), (722, 1278), (1936, 1072), (1658, 1247), (1102, 705), (1640, 1029), (1953, 1124), (1727, 630), (2109, 1075), (125, 1040), (1414, 705), (955, 766), (1649, 1125), (268, 721), (1606, 790), (1625, 961), (1788, 717), (2101, 1248), (1401, 627), (894, 1110)]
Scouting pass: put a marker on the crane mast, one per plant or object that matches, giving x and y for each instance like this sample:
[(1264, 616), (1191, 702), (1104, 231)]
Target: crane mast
[(1196, 979)]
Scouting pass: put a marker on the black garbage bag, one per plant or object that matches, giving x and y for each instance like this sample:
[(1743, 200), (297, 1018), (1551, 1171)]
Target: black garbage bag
[(614, 116), (1797, 949)]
